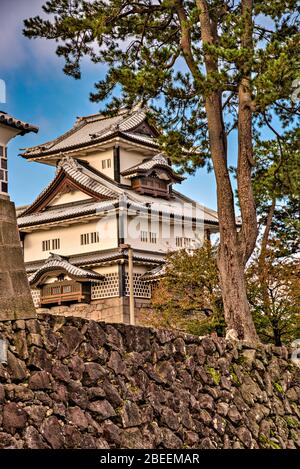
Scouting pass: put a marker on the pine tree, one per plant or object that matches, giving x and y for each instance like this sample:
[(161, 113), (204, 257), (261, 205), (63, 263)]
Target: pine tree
[(208, 68)]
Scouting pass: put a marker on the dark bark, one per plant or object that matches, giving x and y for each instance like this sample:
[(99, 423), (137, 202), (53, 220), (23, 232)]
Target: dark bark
[(234, 248), (262, 265)]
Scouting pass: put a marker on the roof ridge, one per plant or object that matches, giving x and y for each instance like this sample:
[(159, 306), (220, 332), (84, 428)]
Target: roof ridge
[(56, 261), (102, 116)]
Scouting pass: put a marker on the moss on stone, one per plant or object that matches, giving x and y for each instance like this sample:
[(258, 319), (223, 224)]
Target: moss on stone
[(241, 360), (214, 374), (278, 388), (291, 422), (234, 377), (266, 443)]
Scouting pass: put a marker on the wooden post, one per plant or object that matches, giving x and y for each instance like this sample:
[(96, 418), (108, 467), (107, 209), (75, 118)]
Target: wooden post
[(131, 284)]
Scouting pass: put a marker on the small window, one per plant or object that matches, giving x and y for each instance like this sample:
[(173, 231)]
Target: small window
[(178, 242), (46, 245), (4, 187), (89, 238), (144, 236), (95, 237), (51, 244), (56, 243), (106, 163), (85, 239), (153, 237), (2, 151), (187, 242)]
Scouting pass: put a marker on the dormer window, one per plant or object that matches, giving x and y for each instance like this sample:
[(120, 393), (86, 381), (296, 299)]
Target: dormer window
[(154, 176), (151, 186)]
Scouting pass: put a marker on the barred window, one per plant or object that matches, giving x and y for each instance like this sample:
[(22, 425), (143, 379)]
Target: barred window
[(144, 236), (85, 239), (46, 245), (153, 237), (51, 244), (106, 163), (178, 241), (183, 242), (95, 237), (187, 242), (89, 238), (56, 243)]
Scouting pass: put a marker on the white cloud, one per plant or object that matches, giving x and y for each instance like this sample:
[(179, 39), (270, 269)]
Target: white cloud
[(15, 49)]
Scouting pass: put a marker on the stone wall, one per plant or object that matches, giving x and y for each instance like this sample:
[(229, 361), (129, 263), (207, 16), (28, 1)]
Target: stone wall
[(112, 310), (74, 383)]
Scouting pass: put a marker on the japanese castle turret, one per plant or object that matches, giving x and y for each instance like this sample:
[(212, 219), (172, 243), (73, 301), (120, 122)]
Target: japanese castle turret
[(113, 191), (15, 298)]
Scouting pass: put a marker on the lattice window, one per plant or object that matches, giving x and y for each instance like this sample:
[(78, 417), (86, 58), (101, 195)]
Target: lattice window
[(36, 294), (107, 288), (140, 289)]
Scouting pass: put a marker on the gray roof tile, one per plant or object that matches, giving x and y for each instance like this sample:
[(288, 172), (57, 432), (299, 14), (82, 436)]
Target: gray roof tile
[(59, 263), (11, 121), (88, 130)]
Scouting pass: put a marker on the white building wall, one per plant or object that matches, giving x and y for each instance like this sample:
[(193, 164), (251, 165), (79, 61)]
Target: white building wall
[(95, 160), (74, 196), (127, 160), (166, 233), (70, 240)]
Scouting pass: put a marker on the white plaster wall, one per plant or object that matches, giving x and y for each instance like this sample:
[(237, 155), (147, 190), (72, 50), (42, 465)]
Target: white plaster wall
[(69, 197), (95, 159), (166, 234), (70, 239), (127, 160)]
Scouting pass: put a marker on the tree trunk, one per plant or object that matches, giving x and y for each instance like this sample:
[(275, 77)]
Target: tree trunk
[(263, 270), (231, 256)]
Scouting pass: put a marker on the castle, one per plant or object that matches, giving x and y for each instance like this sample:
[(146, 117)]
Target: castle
[(113, 189)]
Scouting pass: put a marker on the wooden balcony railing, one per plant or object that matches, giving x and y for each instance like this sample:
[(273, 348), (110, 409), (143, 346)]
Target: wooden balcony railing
[(65, 292)]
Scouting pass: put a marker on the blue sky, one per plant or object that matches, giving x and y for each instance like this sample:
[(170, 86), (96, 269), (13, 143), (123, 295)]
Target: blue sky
[(39, 92)]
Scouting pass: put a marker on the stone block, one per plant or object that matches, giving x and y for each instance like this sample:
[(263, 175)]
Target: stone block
[(15, 296)]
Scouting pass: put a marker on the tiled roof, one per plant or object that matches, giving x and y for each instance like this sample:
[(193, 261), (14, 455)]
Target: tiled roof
[(146, 139), (63, 212), (177, 206), (157, 161), (10, 121), (82, 175), (58, 263), (91, 129), (102, 257), (86, 177), (153, 274)]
